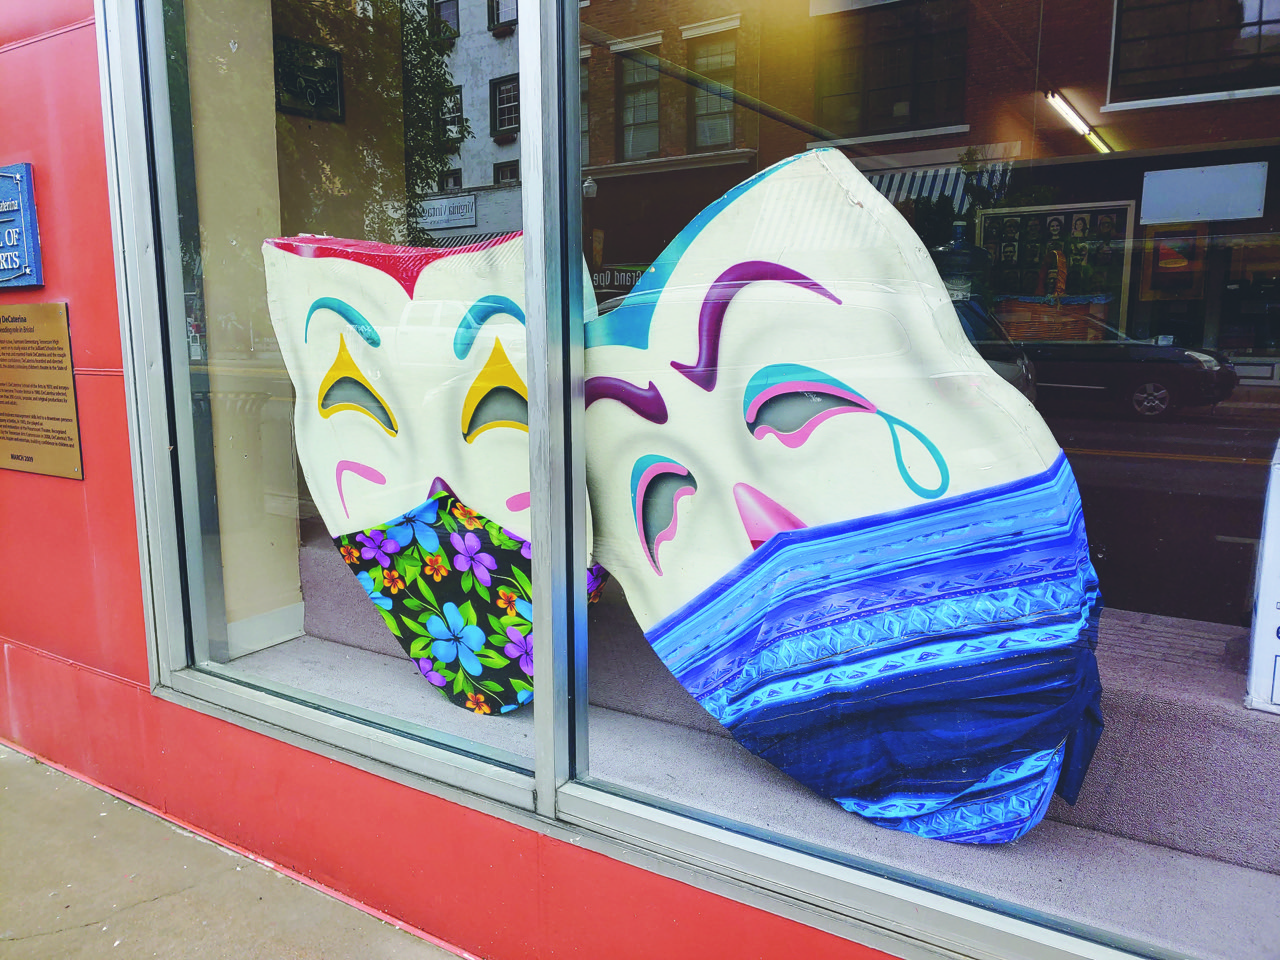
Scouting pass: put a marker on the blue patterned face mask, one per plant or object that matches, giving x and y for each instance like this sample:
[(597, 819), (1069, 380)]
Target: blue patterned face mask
[(931, 669)]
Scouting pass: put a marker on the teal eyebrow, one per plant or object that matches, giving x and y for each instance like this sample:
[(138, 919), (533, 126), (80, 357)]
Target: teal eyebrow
[(347, 313), (476, 316)]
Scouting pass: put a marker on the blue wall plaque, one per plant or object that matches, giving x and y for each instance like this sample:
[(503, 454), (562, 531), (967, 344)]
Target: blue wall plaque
[(19, 232)]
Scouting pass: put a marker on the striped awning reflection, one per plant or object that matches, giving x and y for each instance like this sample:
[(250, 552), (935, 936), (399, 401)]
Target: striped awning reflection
[(938, 182), (466, 240)]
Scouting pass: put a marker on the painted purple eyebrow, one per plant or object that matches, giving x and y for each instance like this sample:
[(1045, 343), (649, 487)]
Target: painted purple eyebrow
[(716, 304), (646, 401)]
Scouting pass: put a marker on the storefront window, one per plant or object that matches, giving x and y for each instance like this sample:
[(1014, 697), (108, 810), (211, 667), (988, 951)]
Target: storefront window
[(925, 385), (358, 470), (940, 277)]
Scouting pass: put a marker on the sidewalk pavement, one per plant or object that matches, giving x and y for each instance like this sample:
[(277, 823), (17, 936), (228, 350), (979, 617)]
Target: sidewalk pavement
[(84, 875)]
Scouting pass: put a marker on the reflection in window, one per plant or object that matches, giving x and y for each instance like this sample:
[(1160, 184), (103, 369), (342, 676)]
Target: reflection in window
[(504, 105), (900, 66), (502, 12), (505, 174), (451, 180), (1172, 48), (711, 111), (583, 125), (451, 114), (638, 105), (447, 15)]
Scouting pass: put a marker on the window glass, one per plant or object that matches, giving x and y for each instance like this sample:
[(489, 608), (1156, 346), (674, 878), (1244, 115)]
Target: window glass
[(447, 12), (505, 105), (638, 128), (893, 66), (502, 12), (711, 105), (508, 172), (584, 121), (356, 491), (930, 412), (1169, 49)]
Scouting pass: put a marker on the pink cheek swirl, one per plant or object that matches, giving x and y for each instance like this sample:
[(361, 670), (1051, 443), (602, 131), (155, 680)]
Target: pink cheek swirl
[(360, 470)]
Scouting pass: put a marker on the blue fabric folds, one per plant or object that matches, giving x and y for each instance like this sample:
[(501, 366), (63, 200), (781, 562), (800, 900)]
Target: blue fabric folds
[(931, 669)]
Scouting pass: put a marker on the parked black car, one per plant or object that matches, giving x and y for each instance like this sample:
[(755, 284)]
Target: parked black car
[(994, 346), (1143, 378)]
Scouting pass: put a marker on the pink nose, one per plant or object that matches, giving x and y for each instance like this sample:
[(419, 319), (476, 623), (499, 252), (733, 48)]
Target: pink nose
[(762, 516)]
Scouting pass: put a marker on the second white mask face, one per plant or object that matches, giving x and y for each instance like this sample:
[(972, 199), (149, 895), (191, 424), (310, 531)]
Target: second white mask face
[(792, 359)]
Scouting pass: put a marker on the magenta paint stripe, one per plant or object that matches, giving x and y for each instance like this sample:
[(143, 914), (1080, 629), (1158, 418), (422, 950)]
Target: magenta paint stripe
[(716, 304), (807, 386), (645, 401), (360, 470), (519, 502)]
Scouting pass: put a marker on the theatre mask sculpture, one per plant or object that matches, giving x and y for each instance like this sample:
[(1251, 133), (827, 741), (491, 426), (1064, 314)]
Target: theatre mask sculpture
[(854, 544), (411, 421)]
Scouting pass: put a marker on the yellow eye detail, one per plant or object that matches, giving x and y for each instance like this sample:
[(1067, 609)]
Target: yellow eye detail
[(345, 388), (497, 398)]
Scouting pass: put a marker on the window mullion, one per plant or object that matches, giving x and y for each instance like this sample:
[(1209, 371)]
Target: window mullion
[(553, 254)]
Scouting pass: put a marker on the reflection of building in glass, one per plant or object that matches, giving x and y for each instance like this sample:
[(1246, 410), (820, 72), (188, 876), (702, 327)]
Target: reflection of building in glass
[(481, 193), (941, 104)]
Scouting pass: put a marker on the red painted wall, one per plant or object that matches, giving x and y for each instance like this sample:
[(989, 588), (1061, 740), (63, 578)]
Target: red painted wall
[(73, 668)]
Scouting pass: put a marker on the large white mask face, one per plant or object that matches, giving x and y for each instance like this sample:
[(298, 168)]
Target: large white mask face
[(395, 392), (791, 360)]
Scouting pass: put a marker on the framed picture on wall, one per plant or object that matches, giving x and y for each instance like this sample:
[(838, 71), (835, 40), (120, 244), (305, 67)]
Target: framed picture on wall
[(1054, 266), (309, 80), (1173, 262)]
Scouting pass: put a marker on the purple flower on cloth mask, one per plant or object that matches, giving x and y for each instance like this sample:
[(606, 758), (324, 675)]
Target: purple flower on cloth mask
[(377, 546), (430, 671), (470, 558), (522, 647), (526, 548), (455, 638)]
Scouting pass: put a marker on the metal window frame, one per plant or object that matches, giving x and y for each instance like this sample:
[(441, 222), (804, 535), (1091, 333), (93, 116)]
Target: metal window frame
[(853, 901)]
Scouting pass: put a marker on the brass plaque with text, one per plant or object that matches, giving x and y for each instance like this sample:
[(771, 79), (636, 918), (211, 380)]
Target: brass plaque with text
[(39, 430)]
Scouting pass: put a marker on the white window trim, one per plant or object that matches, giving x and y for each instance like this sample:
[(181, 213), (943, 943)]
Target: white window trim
[(820, 8), (708, 27), (636, 43), (1190, 98), (886, 137)]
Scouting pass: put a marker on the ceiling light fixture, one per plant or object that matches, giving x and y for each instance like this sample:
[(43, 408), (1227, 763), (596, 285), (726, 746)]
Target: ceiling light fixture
[(1068, 113)]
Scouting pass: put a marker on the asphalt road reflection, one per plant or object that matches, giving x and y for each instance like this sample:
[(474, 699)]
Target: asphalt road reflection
[(1173, 509)]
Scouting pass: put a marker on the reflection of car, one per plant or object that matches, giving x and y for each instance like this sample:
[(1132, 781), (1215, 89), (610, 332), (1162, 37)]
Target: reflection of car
[(994, 346), (1148, 380)]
